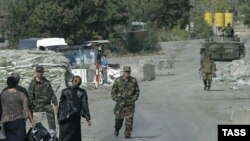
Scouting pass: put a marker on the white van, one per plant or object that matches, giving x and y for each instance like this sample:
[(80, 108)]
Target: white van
[(51, 43), (41, 44)]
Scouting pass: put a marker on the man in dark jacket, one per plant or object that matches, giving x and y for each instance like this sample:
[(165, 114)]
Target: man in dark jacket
[(76, 100)]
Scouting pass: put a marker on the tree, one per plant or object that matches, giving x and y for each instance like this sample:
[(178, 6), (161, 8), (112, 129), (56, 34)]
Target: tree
[(117, 15), (18, 23), (244, 8), (76, 21), (169, 13), (80, 20)]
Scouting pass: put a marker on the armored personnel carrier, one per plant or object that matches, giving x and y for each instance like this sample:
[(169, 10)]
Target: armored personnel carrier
[(222, 48)]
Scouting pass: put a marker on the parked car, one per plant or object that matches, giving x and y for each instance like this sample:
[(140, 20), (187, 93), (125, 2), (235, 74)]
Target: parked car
[(41, 44)]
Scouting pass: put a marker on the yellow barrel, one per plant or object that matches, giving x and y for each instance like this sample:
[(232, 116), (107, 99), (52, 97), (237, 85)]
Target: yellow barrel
[(229, 19), (219, 20), (208, 17)]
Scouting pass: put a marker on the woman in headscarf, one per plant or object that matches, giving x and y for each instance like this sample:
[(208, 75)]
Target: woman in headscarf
[(70, 128), (14, 111)]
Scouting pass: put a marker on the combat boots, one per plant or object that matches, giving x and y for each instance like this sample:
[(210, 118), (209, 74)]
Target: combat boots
[(116, 133), (208, 88), (118, 125), (209, 85), (205, 87), (205, 84), (127, 136)]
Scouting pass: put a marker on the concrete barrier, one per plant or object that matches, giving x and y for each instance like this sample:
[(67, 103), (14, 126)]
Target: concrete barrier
[(162, 66), (148, 72)]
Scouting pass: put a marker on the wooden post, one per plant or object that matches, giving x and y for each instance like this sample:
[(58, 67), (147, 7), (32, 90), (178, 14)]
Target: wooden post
[(97, 75)]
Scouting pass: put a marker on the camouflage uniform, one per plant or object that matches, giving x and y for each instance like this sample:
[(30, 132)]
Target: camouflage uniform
[(208, 68), (229, 31), (125, 93), (41, 94)]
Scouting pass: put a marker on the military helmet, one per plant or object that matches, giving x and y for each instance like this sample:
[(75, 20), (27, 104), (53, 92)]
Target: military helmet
[(127, 68), (40, 68)]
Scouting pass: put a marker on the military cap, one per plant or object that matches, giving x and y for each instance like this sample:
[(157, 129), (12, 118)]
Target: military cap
[(40, 69), (127, 68)]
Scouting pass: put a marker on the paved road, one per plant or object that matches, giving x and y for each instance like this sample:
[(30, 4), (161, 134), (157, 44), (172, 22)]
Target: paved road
[(171, 107)]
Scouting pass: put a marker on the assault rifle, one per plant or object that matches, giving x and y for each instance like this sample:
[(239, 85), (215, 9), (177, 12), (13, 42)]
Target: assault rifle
[(201, 74)]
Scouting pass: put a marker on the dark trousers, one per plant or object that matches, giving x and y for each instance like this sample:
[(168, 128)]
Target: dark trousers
[(104, 74), (15, 130), (70, 130)]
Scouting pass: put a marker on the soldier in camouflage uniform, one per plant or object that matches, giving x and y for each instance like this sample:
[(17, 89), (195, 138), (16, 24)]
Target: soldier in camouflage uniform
[(229, 31), (125, 92), (208, 69), (41, 95)]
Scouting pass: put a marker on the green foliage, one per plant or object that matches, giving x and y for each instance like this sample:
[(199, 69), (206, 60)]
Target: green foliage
[(220, 6), (150, 42), (74, 20), (3, 7), (169, 13), (81, 20), (201, 30), (200, 6), (244, 8), (175, 34), (18, 23), (45, 19), (117, 14)]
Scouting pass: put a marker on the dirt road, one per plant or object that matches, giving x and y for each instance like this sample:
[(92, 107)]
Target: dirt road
[(171, 107)]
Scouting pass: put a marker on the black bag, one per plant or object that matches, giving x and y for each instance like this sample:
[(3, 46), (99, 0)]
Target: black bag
[(39, 132), (29, 135), (66, 110)]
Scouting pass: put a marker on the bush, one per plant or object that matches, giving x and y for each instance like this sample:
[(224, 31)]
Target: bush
[(175, 34), (200, 29), (150, 42)]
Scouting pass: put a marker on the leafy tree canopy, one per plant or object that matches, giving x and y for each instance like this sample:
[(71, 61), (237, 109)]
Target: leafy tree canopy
[(79, 20)]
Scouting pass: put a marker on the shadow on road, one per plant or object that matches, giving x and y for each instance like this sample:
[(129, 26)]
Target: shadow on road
[(216, 90)]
